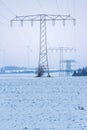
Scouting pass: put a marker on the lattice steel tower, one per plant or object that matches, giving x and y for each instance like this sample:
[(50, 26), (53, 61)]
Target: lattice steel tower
[(43, 58), (68, 66), (61, 50), (43, 18)]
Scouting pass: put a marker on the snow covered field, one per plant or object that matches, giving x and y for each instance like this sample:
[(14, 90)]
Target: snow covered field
[(29, 103)]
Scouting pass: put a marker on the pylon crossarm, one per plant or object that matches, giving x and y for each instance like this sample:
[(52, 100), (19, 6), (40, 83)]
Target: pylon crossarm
[(38, 17), (53, 18)]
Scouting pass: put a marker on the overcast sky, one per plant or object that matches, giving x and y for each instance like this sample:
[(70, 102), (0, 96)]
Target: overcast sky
[(20, 45)]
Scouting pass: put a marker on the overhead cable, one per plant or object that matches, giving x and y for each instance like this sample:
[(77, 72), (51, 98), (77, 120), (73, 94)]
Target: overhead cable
[(57, 5), (40, 5), (6, 6)]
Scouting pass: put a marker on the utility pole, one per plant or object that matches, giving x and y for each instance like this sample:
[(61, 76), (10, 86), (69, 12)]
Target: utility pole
[(61, 51), (43, 18)]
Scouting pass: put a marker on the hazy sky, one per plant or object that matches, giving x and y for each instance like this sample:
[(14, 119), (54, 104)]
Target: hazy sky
[(20, 45)]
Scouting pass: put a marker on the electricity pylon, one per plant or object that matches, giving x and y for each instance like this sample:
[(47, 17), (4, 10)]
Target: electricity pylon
[(43, 18), (61, 51), (68, 66)]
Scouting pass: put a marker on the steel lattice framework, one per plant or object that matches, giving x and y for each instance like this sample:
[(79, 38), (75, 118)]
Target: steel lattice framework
[(61, 50), (68, 65), (43, 18)]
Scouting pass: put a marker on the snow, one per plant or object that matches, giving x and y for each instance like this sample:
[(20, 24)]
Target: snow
[(55, 103)]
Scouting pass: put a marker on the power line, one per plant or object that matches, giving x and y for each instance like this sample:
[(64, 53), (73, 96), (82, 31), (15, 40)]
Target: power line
[(57, 5), (40, 5), (1, 16), (9, 9), (68, 5), (2, 23), (74, 7), (4, 17)]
